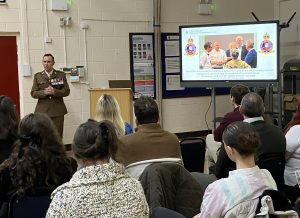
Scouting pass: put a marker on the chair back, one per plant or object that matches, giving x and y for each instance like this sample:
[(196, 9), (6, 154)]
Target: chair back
[(274, 163), (193, 153), (161, 212), (30, 206), (171, 186)]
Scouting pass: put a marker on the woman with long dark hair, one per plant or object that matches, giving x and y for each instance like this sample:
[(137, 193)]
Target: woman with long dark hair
[(38, 161), (9, 121)]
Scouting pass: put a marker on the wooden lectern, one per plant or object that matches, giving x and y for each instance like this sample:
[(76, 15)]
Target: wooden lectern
[(123, 96)]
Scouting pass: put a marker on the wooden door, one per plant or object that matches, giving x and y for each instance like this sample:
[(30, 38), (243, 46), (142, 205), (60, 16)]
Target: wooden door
[(9, 82)]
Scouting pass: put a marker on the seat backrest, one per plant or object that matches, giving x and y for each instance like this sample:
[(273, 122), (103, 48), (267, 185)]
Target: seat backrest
[(171, 186), (274, 163), (193, 153), (161, 212), (30, 206)]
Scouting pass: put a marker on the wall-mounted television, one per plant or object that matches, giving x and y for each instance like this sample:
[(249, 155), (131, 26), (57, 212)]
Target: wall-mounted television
[(219, 55)]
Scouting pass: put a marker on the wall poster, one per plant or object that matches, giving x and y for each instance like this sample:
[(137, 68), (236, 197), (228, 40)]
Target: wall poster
[(142, 66)]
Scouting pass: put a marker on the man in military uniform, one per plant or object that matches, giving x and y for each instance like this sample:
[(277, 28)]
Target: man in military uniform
[(49, 87)]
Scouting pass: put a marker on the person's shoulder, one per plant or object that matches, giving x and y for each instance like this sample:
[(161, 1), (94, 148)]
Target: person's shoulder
[(273, 127), (40, 73), (215, 186), (170, 134), (127, 139), (61, 190), (234, 114), (270, 127), (295, 128), (128, 128), (59, 72)]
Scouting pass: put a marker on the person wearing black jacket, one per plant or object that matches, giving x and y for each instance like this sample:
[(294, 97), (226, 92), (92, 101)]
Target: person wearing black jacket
[(273, 143)]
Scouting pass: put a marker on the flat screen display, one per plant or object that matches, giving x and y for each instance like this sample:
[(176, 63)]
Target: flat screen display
[(229, 53)]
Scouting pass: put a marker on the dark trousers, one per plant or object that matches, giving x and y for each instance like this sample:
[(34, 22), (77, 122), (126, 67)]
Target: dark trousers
[(59, 123)]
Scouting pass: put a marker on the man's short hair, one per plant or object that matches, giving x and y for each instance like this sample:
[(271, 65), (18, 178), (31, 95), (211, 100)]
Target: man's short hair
[(250, 43), (207, 45), (146, 110), (49, 55), (238, 92), (252, 105)]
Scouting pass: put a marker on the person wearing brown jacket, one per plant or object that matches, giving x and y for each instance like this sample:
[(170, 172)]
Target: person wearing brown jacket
[(150, 143), (49, 87)]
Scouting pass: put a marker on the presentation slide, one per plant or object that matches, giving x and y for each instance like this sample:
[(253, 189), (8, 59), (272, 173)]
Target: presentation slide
[(229, 52)]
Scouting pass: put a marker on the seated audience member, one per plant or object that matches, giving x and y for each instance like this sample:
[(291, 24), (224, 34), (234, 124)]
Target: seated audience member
[(235, 62), (213, 142), (150, 143), (292, 156), (101, 187), (8, 127), (38, 164), (247, 182), (271, 136), (107, 108)]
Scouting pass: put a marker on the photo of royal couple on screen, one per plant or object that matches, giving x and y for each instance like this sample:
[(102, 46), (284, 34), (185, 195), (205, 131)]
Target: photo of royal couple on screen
[(228, 52)]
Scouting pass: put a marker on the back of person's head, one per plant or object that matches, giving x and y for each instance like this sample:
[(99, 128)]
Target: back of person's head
[(238, 92), (146, 110), (8, 118), (38, 128), (241, 136), (107, 108), (95, 140), (38, 155), (235, 54), (252, 105)]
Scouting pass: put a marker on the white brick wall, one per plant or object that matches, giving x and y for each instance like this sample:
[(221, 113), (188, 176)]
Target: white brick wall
[(109, 22)]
